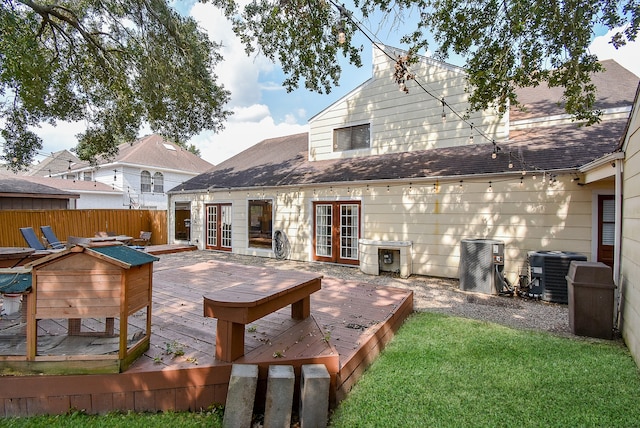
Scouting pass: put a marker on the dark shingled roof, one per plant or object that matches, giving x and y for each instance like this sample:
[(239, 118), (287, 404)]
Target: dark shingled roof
[(283, 161), (613, 90), (17, 186)]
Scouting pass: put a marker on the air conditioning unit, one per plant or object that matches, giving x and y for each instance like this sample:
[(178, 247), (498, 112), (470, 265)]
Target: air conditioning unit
[(547, 274), (481, 265)]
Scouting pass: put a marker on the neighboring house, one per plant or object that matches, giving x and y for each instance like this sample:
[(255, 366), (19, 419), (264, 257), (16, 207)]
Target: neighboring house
[(384, 170), (138, 176), (59, 162), (629, 283), (18, 193), (91, 194)]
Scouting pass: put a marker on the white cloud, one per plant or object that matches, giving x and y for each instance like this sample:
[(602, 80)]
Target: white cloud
[(252, 113), (244, 76), (238, 72), (59, 137), (627, 56)]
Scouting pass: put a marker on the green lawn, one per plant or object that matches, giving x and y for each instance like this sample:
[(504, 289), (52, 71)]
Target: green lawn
[(212, 419), (446, 371), (453, 372)]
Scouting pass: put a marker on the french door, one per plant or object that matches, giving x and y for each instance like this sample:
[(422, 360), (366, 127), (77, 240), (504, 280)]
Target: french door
[(336, 231), (219, 227)]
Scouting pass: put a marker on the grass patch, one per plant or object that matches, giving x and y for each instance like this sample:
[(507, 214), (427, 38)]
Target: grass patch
[(447, 371), (211, 419)]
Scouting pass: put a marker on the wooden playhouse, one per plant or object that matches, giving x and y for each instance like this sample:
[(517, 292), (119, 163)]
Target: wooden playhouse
[(88, 310)]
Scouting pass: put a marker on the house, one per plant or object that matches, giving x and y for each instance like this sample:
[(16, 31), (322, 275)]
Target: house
[(629, 281), (17, 193), (381, 169), (136, 178)]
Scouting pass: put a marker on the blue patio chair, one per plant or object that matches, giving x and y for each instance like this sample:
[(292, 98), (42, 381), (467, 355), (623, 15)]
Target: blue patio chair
[(30, 236), (52, 239)]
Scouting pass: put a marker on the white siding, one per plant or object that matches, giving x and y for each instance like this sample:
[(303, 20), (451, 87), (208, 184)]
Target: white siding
[(404, 122), (630, 263), (529, 217)]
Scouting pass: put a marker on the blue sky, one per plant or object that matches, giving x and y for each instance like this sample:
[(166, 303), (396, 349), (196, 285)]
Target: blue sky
[(263, 109)]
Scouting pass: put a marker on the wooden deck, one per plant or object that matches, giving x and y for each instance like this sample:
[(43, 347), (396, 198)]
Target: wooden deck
[(349, 325)]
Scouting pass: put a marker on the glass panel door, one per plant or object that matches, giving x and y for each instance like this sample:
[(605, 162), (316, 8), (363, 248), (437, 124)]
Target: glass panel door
[(336, 232), (349, 226), (212, 229), (219, 219), (225, 226), (324, 232)]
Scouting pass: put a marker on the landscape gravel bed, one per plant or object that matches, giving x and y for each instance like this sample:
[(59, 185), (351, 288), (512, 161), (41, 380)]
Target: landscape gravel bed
[(432, 294)]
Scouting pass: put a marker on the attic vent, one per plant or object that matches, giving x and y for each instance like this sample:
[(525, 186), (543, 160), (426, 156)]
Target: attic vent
[(169, 147)]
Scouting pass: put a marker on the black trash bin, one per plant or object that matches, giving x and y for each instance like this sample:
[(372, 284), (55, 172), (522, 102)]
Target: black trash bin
[(591, 295)]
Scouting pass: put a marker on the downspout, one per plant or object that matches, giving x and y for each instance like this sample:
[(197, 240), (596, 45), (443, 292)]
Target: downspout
[(617, 247), (617, 242)]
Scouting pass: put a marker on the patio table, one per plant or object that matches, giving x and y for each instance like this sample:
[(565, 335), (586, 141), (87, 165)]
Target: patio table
[(12, 256), (120, 238)]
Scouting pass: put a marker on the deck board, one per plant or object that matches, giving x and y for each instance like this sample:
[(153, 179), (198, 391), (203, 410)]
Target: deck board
[(350, 323)]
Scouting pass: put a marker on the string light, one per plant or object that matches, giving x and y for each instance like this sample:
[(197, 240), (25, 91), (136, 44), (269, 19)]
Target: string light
[(444, 114), (471, 134), (342, 37), (510, 161), (461, 181)]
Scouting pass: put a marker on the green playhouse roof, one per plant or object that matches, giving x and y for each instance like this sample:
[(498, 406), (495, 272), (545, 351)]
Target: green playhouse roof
[(126, 255)]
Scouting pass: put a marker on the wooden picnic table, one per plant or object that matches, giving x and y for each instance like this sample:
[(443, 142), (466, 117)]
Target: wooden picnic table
[(254, 298)]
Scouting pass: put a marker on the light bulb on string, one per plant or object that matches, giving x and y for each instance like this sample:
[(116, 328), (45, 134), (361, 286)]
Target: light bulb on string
[(494, 154), (471, 135), (444, 114), (510, 161)]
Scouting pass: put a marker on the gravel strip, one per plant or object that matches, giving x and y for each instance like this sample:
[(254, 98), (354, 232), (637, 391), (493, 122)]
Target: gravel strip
[(431, 294)]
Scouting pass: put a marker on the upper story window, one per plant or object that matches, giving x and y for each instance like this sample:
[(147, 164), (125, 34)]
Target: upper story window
[(158, 183), (145, 182), (87, 176), (351, 138)]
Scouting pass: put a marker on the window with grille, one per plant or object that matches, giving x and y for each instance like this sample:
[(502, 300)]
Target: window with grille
[(351, 138), (145, 182), (158, 183)]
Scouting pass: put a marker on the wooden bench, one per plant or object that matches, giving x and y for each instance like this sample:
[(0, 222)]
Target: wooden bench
[(252, 299)]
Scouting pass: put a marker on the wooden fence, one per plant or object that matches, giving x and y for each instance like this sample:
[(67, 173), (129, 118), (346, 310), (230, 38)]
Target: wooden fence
[(82, 223)]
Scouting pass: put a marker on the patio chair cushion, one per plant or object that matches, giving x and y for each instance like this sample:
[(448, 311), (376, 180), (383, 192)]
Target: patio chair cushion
[(30, 236), (51, 238)]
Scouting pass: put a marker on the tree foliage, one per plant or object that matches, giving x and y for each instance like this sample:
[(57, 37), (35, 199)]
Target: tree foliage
[(116, 64), (507, 43)]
